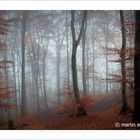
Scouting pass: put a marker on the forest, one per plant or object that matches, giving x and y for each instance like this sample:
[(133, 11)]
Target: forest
[(69, 70)]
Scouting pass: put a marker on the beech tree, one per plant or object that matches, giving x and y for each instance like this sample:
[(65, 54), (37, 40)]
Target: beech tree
[(59, 42), (75, 43), (93, 54), (68, 57), (23, 91), (84, 59), (48, 50), (106, 30), (125, 107)]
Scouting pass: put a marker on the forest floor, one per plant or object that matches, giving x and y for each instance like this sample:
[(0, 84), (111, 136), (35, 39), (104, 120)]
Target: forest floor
[(103, 113)]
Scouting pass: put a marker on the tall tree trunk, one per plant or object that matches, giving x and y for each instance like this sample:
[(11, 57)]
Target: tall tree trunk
[(37, 77), (74, 75), (87, 68), (23, 92), (68, 62), (14, 75), (84, 60), (75, 42), (136, 116), (106, 46), (59, 43), (37, 93), (18, 74), (44, 77), (107, 70), (15, 85), (123, 84), (93, 57), (58, 73)]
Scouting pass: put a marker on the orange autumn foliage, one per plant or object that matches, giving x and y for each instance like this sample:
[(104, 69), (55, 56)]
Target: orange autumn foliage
[(5, 93), (69, 105), (93, 121)]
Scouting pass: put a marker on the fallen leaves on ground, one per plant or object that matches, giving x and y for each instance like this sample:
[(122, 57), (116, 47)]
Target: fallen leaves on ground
[(93, 121)]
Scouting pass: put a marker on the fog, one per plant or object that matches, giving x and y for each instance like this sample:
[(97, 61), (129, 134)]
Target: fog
[(48, 52)]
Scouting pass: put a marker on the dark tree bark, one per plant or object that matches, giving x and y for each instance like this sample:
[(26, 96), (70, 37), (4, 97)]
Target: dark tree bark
[(23, 92), (125, 107), (83, 59), (75, 42), (136, 116)]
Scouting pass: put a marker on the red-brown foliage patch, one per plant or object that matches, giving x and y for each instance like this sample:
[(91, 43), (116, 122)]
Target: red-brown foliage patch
[(105, 120)]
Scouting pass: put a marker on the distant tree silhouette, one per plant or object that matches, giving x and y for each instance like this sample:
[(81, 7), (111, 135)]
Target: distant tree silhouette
[(23, 92)]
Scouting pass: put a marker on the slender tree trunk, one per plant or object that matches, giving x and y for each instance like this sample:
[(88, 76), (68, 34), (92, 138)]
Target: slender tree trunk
[(19, 65), (44, 78), (74, 75), (15, 85), (37, 78), (123, 84), (106, 70), (58, 73), (106, 46), (44, 88), (23, 91), (87, 68), (84, 60), (75, 42), (136, 116), (59, 43), (14, 75), (37, 93), (93, 57), (68, 62)]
